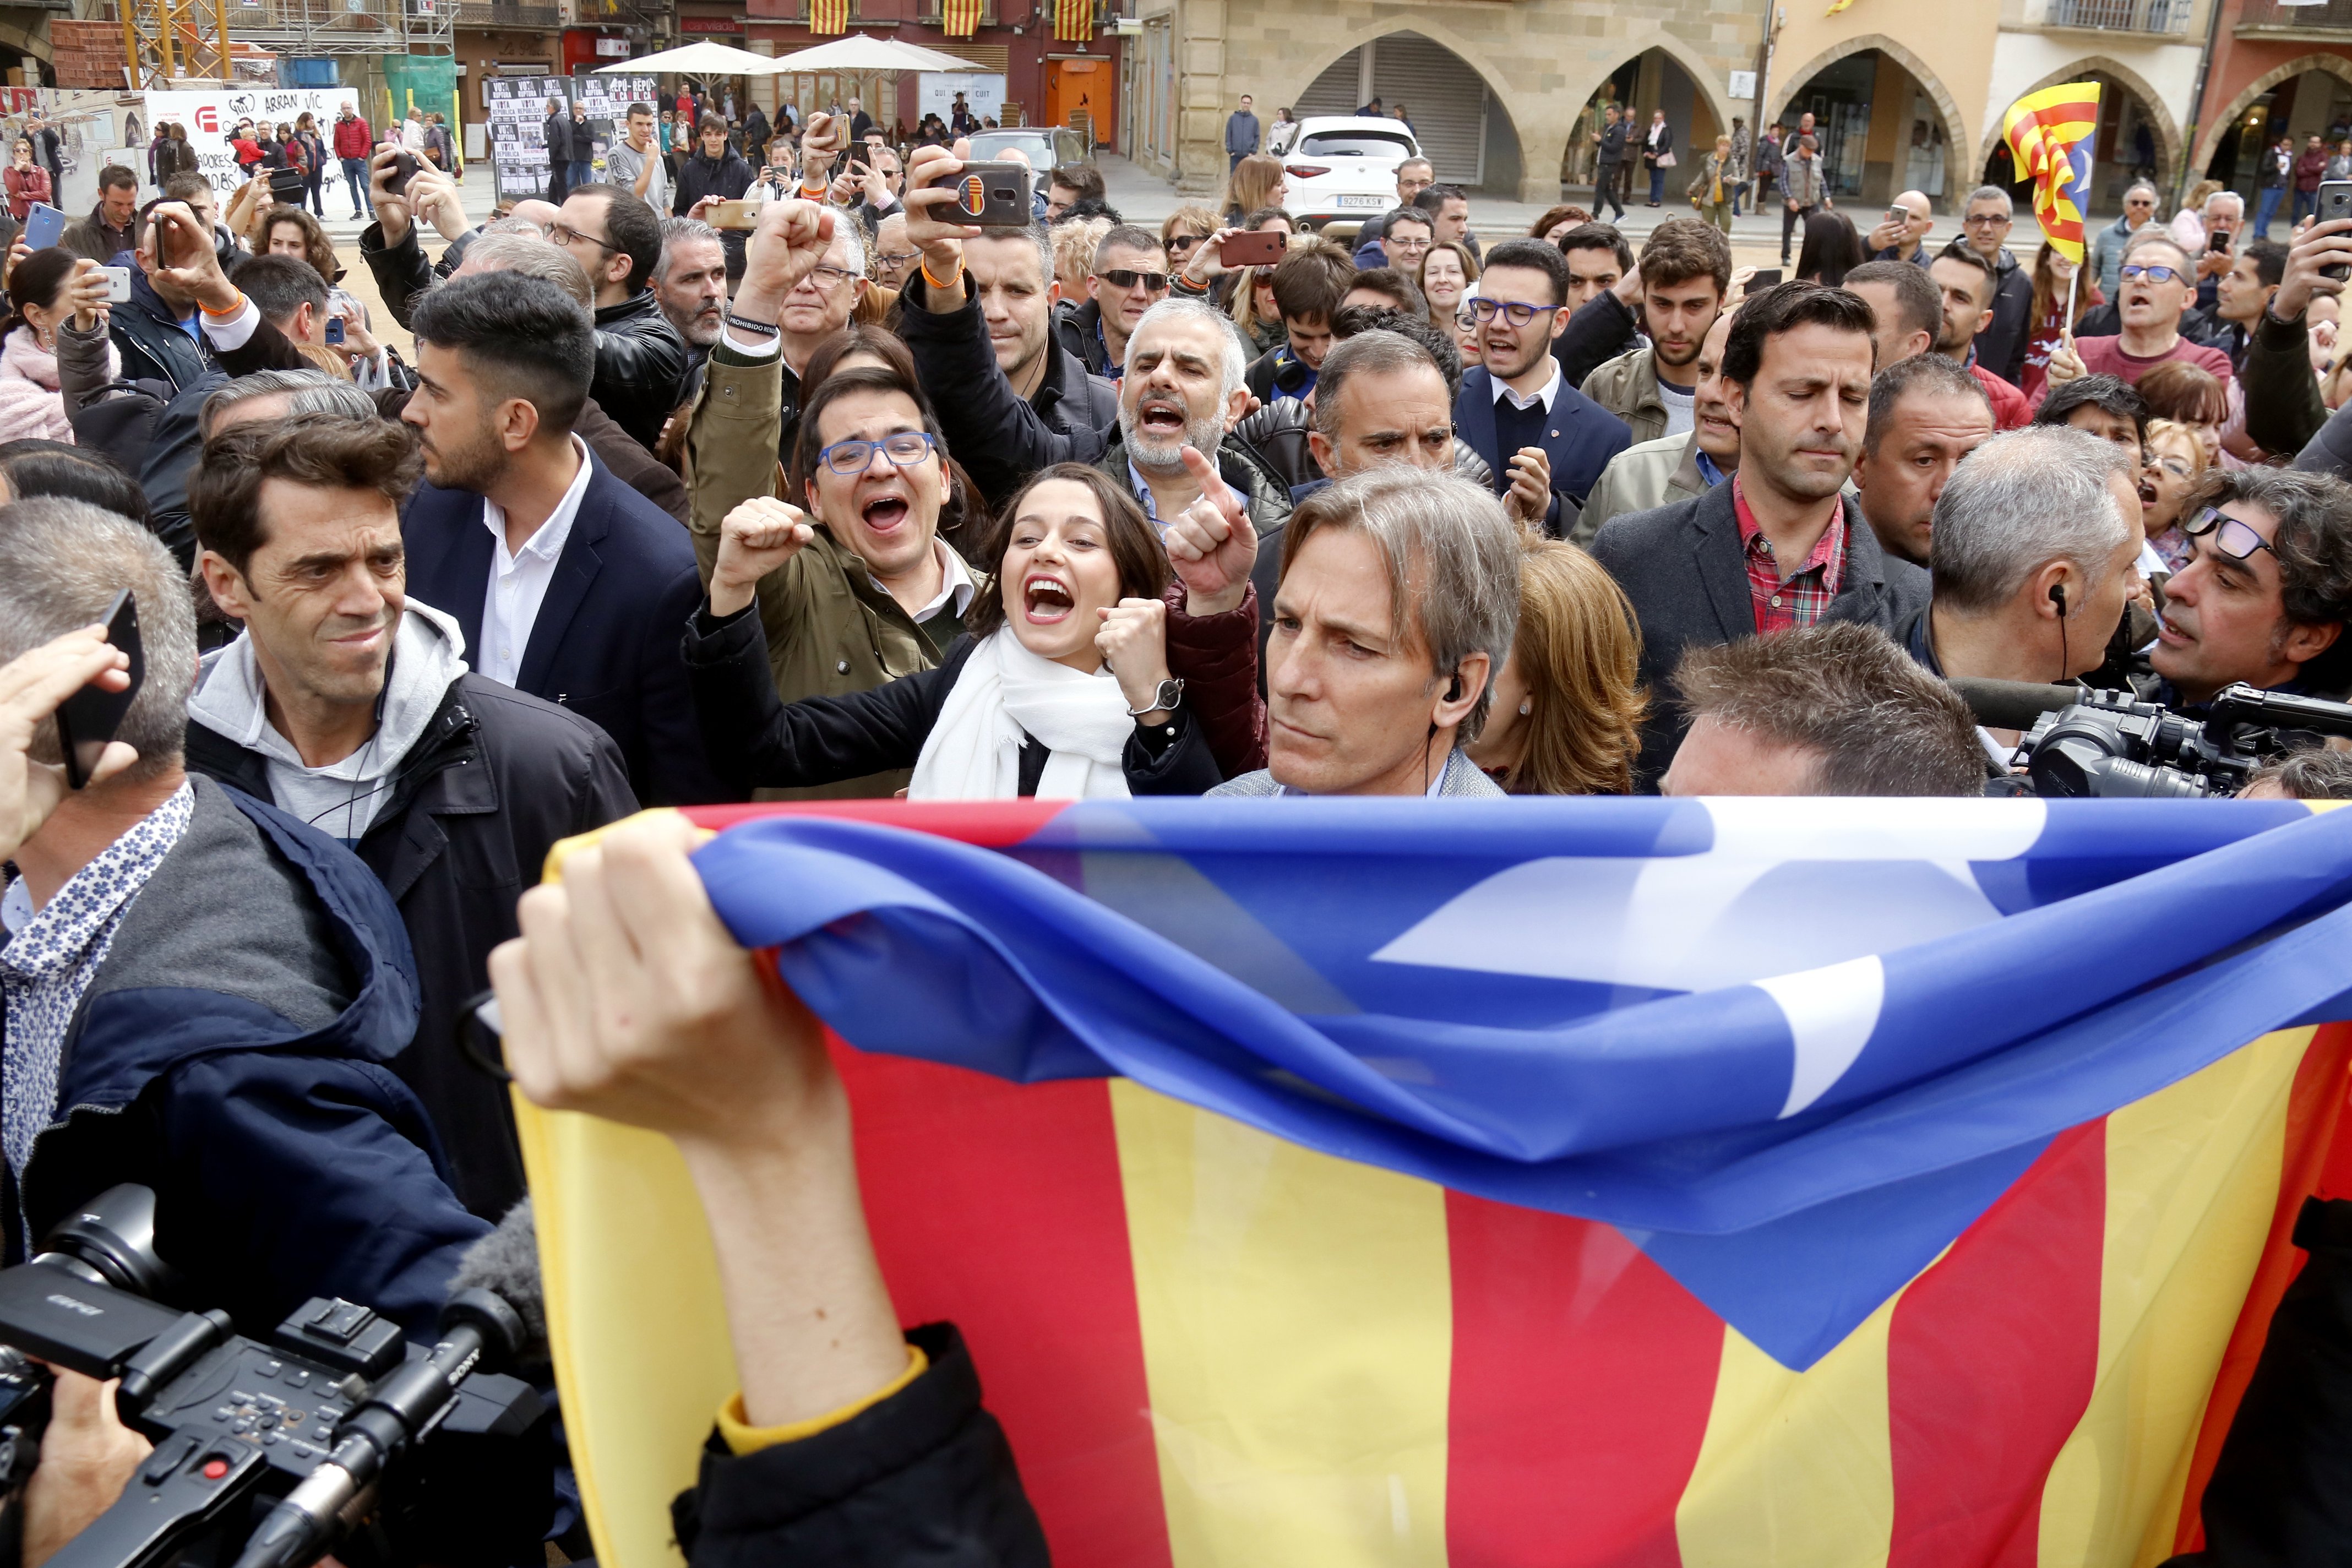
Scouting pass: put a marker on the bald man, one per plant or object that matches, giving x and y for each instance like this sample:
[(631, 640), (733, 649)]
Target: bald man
[(1901, 234)]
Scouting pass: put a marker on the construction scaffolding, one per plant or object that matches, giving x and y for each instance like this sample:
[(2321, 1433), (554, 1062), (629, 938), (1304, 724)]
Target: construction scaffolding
[(169, 43)]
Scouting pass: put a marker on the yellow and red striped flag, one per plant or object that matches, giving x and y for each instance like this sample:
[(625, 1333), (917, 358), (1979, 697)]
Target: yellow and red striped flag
[(2051, 135), (961, 18), (828, 18), (1073, 20)]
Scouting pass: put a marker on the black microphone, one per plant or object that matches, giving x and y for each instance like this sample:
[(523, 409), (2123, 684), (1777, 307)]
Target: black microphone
[(506, 1264), (2013, 704)]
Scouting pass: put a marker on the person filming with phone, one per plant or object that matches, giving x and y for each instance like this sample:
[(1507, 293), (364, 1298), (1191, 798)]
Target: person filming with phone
[(200, 992)]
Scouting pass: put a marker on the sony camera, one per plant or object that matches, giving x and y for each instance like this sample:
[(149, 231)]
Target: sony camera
[(338, 1435), (2082, 743)]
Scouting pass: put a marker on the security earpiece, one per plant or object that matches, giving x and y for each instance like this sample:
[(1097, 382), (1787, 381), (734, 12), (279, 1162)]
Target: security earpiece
[(2058, 596), (1454, 692)]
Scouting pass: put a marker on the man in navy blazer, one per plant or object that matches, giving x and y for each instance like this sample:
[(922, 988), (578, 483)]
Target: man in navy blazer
[(1546, 441), (567, 584)]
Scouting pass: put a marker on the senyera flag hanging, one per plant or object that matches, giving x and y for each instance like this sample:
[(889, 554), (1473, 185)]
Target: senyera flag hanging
[(2051, 137), (1558, 1183)]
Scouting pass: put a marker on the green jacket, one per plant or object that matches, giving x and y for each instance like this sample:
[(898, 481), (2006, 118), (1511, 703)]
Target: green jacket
[(1628, 387), (831, 631)]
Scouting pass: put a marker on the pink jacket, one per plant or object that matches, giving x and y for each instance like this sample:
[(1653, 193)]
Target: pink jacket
[(30, 404)]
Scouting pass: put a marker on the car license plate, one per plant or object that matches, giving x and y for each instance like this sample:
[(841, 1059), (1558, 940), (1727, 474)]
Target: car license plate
[(1363, 200)]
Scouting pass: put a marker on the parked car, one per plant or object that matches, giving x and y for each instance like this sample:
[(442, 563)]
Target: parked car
[(1046, 147), (1342, 167)]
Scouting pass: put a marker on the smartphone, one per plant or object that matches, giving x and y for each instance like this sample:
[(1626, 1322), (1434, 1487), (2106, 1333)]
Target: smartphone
[(732, 215), (2335, 202), (1263, 248), (1765, 277), (118, 285), (858, 158), (87, 720), (404, 169), (44, 225), (1898, 214), (2218, 241), (334, 329), (992, 195)]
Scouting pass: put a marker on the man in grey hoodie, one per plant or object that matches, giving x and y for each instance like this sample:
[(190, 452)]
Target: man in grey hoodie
[(350, 706)]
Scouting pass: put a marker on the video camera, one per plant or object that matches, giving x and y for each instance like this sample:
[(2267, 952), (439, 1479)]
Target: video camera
[(338, 1435), (2082, 743)]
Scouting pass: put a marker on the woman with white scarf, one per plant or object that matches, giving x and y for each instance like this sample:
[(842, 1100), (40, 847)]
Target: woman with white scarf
[(1061, 691)]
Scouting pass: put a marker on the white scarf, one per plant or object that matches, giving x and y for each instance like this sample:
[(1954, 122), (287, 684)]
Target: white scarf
[(974, 752)]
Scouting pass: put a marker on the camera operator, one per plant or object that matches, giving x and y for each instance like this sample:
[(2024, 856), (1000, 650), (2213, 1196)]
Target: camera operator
[(849, 1441), (1832, 709), (200, 991), (2264, 598), (2034, 541)]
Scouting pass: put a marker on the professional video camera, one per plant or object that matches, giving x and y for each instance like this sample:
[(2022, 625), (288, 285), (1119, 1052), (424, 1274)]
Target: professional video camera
[(2082, 744), (340, 1435)]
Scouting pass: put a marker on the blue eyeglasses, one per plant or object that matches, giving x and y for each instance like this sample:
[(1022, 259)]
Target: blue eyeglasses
[(1513, 311), (905, 449), (2157, 274)]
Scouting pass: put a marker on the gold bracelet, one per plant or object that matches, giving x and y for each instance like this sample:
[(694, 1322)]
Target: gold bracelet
[(942, 282)]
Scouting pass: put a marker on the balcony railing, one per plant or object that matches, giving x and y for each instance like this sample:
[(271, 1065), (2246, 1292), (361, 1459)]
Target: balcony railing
[(2122, 16), (2275, 15), (495, 14)]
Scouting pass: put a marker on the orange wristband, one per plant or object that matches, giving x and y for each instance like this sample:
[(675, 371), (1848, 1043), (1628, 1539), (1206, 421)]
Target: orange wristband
[(235, 310), (942, 282)]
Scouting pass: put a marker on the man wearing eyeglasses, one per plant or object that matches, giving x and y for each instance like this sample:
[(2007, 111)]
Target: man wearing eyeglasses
[(893, 254), (1129, 277), (640, 361), (1546, 441), (2264, 598), (1984, 228), (2108, 250), (2157, 284)]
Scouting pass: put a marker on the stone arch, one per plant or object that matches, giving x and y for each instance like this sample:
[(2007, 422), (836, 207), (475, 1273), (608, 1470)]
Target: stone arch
[(1501, 95), (1962, 152), (1694, 65), (2208, 138), (2168, 128)]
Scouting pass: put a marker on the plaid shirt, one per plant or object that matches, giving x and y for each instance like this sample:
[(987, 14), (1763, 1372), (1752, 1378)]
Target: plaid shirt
[(1802, 596)]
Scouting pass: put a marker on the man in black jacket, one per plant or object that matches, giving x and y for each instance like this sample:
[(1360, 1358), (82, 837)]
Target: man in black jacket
[(640, 361), (716, 173), (151, 329), (350, 707), (2000, 349), (1120, 288), (1009, 299), (849, 1440), (558, 134), (1779, 546)]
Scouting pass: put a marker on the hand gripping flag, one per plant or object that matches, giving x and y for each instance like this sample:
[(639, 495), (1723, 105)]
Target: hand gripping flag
[(2051, 135), (1772, 1183)]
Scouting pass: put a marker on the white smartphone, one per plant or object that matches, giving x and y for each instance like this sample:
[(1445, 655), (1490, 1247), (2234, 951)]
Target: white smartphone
[(118, 285)]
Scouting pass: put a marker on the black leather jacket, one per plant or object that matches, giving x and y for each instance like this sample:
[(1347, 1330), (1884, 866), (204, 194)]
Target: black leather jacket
[(641, 366)]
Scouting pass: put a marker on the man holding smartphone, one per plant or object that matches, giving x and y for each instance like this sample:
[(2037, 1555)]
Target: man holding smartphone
[(1902, 234)]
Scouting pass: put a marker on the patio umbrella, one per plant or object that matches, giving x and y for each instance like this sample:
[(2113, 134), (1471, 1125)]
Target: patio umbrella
[(705, 59), (861, 52)]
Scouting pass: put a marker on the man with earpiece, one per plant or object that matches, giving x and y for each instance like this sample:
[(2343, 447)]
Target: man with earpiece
[(347, 705), (2032, 552)]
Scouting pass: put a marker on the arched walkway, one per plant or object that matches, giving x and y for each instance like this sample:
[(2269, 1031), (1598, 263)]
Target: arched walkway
[(1574, 138), (2209, 140), (1959, 151), (1470, 134), (2152, 113)]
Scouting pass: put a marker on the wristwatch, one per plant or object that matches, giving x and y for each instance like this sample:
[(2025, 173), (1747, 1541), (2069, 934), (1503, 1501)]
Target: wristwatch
[(1168, 693)]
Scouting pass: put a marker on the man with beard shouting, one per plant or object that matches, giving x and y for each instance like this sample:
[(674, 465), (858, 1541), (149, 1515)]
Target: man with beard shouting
[(1778, 546)]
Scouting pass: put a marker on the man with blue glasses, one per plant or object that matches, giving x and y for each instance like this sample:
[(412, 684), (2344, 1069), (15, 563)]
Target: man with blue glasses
[(2265, 597), (2159, 281)]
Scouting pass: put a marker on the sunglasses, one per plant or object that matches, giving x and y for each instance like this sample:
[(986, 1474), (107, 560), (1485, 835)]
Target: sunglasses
[(2158, 274), (1126, 278), (1512, 311), (905, 449), (2236, 540)]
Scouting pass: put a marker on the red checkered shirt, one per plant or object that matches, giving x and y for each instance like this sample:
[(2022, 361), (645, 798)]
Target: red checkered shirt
[(1803, 597)]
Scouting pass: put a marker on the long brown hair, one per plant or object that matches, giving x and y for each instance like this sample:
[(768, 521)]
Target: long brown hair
[(1577, 650), (2049, 289), (316, 248), (1251, 184), (1135, 547)]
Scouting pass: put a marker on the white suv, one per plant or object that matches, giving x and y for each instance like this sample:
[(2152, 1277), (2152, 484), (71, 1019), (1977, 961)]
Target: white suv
[(1342, 168)]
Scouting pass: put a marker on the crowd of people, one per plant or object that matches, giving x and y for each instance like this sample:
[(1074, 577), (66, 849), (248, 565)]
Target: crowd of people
[(862, 501)]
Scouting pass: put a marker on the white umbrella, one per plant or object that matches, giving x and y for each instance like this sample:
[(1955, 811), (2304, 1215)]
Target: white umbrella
[(861, 52), (705, 59)]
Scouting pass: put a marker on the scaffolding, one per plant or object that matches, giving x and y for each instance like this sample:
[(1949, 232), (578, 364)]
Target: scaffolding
[(172, 42)]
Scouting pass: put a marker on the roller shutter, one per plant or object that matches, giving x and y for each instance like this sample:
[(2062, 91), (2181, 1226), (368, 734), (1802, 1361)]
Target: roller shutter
[(1334, 91), (1445, 99)]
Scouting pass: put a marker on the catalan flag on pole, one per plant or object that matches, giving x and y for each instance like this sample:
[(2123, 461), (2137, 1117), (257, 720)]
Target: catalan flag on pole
[(1564, 1183), (2051, 135)]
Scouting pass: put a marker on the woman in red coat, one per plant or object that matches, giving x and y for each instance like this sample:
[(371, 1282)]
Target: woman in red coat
[(27, 182)]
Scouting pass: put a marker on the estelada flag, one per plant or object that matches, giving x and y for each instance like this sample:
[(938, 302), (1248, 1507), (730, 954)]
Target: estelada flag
[(1772, 1183), (2051, 134)]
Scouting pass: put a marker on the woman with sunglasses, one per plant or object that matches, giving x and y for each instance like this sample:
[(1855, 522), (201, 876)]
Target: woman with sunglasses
[(2158, 276), (1060, 689)]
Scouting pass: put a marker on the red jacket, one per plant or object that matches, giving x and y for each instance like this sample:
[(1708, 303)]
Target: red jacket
[(25, 187), (353, 138), (2010, 411), (2310, 168)]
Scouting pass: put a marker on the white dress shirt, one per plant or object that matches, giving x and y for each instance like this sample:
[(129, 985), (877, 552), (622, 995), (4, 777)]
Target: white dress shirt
[(1550, 388), (518, 581)]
